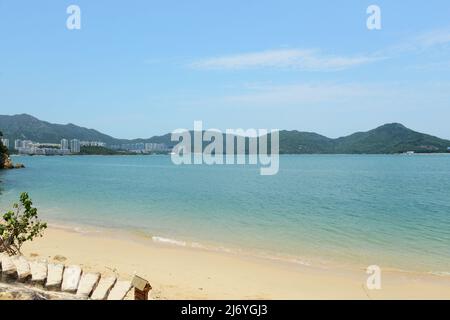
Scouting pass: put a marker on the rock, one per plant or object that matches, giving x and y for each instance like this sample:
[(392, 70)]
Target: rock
[(87, 284), (21, 292), (103, 288), (7, 164), (59, 258), (38, 271), (54, 276), (71, 278), (120, 290), (22, 268), (14, 293)]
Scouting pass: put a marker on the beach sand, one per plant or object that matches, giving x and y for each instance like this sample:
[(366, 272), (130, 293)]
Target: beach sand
[(187, 273)]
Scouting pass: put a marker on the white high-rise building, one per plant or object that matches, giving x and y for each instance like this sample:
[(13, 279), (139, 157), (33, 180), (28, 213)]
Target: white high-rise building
[(27, 144), (5, 142), (75, 146), (18, 144), (64, 144)]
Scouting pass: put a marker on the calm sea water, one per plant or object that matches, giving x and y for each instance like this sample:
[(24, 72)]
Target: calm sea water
[(393, 211)]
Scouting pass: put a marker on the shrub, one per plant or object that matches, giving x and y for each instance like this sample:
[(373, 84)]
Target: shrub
[(20, 225)]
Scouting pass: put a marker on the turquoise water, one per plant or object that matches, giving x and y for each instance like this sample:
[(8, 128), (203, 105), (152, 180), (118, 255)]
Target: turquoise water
[(393, 211)]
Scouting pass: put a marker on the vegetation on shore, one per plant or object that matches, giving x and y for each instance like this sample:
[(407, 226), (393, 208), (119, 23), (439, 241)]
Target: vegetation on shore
[(19, 225), (5, 160), (4, 155)]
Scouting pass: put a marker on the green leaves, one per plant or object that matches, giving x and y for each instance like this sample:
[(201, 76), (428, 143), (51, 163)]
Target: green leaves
[(20, 225)]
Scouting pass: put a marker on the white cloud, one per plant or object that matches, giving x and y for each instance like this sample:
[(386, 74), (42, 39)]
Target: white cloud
[(308, 60), (315, 60)]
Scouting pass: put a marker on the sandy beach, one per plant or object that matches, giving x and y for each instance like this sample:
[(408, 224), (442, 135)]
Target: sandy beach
[(188, 273)]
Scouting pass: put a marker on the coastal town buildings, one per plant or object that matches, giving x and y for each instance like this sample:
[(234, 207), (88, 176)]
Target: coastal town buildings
[(17, 144), (64, 144), (75, 146), (141, 147), (92, 144), (65, 147), (150, 147)]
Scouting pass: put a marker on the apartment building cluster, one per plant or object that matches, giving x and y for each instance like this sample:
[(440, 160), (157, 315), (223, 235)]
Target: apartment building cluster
[(92, 144), (66, 146), (36, 148), (73, 146), (142, 147)]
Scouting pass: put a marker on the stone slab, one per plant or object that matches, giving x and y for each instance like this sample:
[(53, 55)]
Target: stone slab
[(38, 271), (103, 288), (54, 276), (120, 290), (22, 267), (71, 278), (8, 266), (87, 284)]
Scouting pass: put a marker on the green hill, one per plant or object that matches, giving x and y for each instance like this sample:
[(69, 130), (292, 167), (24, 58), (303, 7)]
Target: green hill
[(389, 138), (26, 127)]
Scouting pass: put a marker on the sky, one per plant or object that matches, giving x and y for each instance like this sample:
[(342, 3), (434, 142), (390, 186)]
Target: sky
[(143, 68)]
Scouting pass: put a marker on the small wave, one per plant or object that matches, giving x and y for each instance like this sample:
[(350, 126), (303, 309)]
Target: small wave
[(169, 241), (196, 245)]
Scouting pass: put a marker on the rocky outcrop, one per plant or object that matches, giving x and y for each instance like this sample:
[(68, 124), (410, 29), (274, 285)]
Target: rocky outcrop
[(8, 164), (19, 291)]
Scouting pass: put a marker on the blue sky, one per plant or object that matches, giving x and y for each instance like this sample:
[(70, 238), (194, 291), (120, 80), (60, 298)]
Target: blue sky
[(140, 68)]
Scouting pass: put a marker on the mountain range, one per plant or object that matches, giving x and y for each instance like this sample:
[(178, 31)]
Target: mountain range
[(386, 139)]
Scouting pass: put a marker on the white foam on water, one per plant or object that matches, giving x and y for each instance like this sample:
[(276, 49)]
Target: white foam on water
[(197, 245), (169, 241)]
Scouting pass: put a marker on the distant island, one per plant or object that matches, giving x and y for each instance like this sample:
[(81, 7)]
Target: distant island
[(391, 138)]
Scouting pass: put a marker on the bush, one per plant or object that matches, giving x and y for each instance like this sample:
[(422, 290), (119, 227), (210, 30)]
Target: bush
[(20, 225)]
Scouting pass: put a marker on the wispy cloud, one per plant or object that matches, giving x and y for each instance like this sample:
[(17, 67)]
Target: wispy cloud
[(300, 59), (421, 42), (316, 60)]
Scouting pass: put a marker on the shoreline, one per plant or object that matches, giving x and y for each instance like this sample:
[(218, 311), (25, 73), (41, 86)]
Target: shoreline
[(145, 238), (177, 272)]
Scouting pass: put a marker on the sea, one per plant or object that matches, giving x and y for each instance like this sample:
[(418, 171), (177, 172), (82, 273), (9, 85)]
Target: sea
[(319, 210)]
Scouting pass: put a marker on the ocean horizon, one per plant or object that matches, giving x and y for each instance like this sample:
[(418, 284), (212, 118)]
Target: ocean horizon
[(358, 210)]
